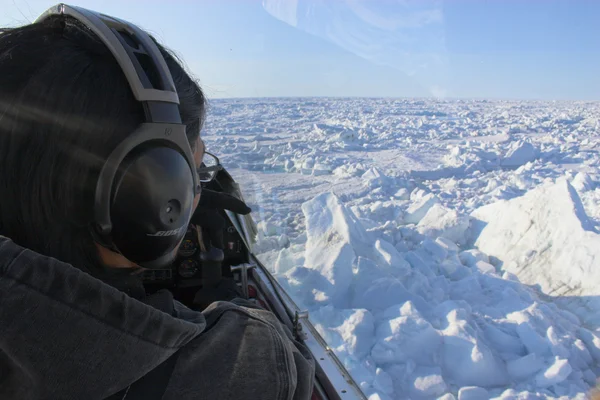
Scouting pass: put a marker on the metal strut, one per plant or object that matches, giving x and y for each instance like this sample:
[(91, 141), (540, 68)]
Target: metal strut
[(243, 269), (299, 317)]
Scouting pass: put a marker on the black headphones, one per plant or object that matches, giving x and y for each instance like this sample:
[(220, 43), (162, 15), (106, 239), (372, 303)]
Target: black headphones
[(145, 192)]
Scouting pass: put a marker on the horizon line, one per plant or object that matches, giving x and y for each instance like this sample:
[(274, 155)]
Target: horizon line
[(450, 98)]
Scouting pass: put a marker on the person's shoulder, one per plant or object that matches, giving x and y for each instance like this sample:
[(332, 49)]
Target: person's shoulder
[(245, 309), (244, 352)]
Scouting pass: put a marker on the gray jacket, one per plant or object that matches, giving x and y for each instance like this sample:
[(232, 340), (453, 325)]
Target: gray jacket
[(67, 335)]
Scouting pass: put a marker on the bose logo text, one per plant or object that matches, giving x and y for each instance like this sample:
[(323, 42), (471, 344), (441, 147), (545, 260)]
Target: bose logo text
[(172, 232)]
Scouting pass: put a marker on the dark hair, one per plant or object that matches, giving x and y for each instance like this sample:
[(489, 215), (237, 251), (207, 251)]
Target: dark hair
[(64, 106)]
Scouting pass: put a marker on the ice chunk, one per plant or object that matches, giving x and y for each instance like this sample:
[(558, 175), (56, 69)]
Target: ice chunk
[(470, 257), (299, 278), (333, 235), (375, 289), (402, 194), (357, 332), (447, 396), (502, 340), (366, 273), (288, 259), (283, 240), (473, 393), (404, 335), (418, 209), (580, 356), (308, 163), (418, 194), (467, 360), (510, 277), (383, 382), (390, 256), (555, 343), (289, 165), (268, 228), (378, 396), (484, 268), (589, 377), (583, 182), (532, 340), (545, 238), (454, 270), (335, 264), (508, 394), (556, 373), (428, 383), (363, 373), (440, 221), (437, 251), (373, 395), (401, 246), (321, 169), (419, 263), (520, 153), (350, 333), (592, 343), (524, 367), (449, 245), (375, 178)]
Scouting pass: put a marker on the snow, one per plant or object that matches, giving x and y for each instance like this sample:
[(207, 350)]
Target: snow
[(444, 249)]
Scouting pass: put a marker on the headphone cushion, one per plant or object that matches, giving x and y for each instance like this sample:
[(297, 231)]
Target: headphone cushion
[(152, 204)]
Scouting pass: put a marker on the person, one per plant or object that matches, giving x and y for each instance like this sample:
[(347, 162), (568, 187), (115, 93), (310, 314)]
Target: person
[(75, 320)]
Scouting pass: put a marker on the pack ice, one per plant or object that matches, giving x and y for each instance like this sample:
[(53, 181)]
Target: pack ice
[(435, 321), (444, 249)]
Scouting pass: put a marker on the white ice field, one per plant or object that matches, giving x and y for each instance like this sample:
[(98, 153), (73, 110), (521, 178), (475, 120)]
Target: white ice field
[(444, 249)]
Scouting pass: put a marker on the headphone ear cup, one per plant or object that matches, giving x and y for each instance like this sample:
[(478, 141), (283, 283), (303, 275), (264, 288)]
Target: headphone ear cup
[(152, 204)]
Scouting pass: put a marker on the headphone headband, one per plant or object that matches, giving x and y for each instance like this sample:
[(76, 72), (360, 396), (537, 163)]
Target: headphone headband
[(110, 31)]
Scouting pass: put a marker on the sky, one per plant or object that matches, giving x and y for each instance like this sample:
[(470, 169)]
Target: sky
[(507, 49)]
